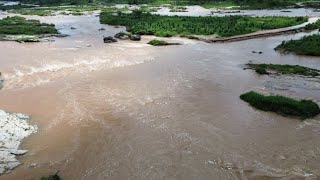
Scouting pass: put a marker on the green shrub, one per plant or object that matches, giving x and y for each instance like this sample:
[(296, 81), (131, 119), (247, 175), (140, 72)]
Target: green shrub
[(156, 42), (18, 25), (313, 26), (308, 45), (282, 105), (285, 69)]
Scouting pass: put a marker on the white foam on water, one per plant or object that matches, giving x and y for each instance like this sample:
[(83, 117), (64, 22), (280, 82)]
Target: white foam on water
[(30, 76)]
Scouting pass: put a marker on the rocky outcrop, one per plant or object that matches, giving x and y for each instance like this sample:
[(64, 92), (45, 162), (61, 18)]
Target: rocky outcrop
[(109, 39), (14, 128), (122, 36), (135, 37)]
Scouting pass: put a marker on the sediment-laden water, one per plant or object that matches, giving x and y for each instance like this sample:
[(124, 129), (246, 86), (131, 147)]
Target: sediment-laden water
[(132, 111)]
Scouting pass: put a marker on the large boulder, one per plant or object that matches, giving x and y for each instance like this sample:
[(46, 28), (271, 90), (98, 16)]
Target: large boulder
[(109, 39), (135, 37)]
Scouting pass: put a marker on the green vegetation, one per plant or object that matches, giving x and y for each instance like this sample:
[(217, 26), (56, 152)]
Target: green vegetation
[(284, 69), (52, 177), (313, 26), (282, 105), (156, 42), (18, 25), (166, 26), (308, 45), (38, 12)]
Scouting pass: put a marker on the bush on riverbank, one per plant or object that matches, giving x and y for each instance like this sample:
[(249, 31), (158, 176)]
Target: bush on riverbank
[(313, 26), (166, 26), (282, 105), (20, 25), (284, 69), (308, 45)]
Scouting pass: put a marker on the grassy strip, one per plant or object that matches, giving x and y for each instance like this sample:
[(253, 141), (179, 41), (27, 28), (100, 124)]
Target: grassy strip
[(156, 42), (308, 45), (284, 69), (166, 26), (282, 105), (38, 12), (313, 26), (18, 25)]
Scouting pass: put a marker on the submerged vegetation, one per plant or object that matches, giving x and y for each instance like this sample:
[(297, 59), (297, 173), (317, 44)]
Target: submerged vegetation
[(282, 105), (166, 26), (284, 69), (308, 45), (19, 25)]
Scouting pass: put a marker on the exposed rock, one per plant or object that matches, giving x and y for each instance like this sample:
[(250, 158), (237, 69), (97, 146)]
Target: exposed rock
[(1, 81), (73, 28), (122, 36), (135, 37), (14, 128), (102, 29), (109, 39)]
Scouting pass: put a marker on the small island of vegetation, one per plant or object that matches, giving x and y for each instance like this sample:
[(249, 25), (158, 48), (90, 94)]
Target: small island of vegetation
[(167, 26), (313, 26), (21, 26), (284, 69), (282, 105), (156, 42), (308, 45)]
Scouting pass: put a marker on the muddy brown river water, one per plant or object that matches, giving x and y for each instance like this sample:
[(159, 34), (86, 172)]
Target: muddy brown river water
[(133, 111)]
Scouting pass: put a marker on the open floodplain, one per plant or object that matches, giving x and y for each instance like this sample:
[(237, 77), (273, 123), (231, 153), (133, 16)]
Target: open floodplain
[(129, 110)]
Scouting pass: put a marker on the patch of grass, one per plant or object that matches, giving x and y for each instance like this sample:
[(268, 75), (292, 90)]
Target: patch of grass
[(284, 69), (37, 12), (51, 177), (18, 25), (313, 26), (156, 42), (308, 45), (282, 105), (166, 26)]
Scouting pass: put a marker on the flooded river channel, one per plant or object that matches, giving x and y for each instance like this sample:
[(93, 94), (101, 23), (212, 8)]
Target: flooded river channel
[(129, 110)]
